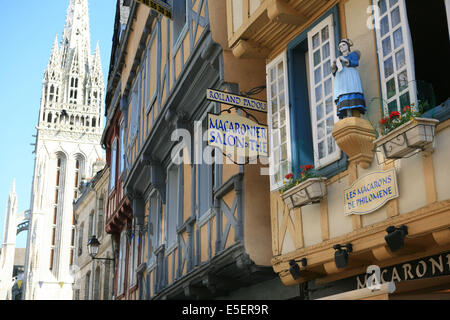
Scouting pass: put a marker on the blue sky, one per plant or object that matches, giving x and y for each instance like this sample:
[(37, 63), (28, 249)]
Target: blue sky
[(27, 32)]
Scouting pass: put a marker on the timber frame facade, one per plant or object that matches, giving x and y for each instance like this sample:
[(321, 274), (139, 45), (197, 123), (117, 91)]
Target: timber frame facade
[(286, 34), (195, 230)]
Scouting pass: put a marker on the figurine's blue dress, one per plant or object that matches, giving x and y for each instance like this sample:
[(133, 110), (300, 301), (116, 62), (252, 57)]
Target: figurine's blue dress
[(348, 91)]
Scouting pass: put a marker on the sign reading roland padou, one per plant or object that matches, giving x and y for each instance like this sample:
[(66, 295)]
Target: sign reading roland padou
[(161, 6), (370, 192), (237, 136), (235, 100)]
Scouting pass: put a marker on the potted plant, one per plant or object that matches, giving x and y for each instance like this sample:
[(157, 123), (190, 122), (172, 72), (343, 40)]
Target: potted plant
[(404, 133), (310, 187)]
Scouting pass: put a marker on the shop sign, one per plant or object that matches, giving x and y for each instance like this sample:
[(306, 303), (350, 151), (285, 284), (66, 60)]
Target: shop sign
[(237, 136), (161, 6), (429, 267), (370, 192), (235, 100)]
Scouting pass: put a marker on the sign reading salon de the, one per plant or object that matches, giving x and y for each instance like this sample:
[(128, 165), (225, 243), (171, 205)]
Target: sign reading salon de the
[(237, 136), (370, 192)]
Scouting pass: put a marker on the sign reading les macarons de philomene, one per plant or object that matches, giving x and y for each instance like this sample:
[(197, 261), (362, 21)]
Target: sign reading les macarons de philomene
[(370, 192)]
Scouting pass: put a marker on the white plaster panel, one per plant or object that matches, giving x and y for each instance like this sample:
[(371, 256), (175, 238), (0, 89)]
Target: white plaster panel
[(441, 163), (312, 233), (410, 179), (340, 224), (288, 243)]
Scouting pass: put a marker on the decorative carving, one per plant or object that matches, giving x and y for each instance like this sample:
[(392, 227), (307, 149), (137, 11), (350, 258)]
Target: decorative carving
[(355, 137)]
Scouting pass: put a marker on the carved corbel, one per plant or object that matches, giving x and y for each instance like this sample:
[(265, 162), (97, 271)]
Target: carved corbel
[(280, 11), (246, 49)]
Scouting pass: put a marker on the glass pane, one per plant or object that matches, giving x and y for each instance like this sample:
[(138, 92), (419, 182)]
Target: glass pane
[(281, 84), (326, 68), (326, 51), (318, 93), (283, 135), (318, 75), (321, 130), (392, 106), (276, 157), (325, 34), (321, 148), (329, 105), (402, 80), (327, 87), (331, 145), (273, 90), (384, 26), (282, 100), (404, 100), (277, 176), (330, 124), (284, 152), (382, 5), (398, 38), (315, 40), (285, 168), (280, 69), (395, 17), (400, 59), (316, 58), (273, 75), (319, 112), (274, 105), (275, 121), (387, 48), (392, 3), (283, 116), (388, 67), (275, 139), (390, 88)]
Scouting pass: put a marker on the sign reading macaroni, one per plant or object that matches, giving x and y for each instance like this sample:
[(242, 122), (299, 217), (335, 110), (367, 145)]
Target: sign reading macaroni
[(370, 192), (160, 6), (235, 100), (237, 136)]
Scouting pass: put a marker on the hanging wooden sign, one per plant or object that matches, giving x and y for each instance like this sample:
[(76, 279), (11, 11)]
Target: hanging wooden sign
[(161, 6), (237, 136), (236, 100)]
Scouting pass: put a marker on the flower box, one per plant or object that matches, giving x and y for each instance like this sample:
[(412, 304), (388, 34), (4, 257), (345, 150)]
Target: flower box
[(409, 137), (308, 191)]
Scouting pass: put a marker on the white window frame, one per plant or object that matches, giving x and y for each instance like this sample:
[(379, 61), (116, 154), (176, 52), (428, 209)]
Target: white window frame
[(336, 154), (408, 51), (121, 147), (153, 240), (169, 206), (112, 180), (133, 259), (274, 185)]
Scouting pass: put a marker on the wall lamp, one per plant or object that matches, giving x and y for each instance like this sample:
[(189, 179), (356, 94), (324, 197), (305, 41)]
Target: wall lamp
[(341, 254), (93, 245), (395, 238), (294, 268)]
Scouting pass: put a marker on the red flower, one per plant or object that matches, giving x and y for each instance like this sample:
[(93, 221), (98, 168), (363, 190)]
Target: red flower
[(289, 176), (394, 114), (309, 167), (384, 121), (407, 108)]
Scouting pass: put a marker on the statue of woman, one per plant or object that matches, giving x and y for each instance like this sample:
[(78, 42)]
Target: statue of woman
[(348, 91)]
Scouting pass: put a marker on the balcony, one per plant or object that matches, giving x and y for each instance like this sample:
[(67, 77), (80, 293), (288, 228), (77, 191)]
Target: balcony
[(256, 27)]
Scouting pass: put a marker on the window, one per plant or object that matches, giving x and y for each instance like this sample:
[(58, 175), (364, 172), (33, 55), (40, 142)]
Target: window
[(153, 225), (77, 178), (121, 267), (112, 177), (301, 110), (278, 115), (73, 90), (134, 111), (106, 285), (100, 216), (91, 224), (179, 18), (97, 283), (174, 198), (205, 168), (57, 207), (407, 71), (87, 286), (80, 239), (122, 147), (133, 259), (321, 53), (395, 56)]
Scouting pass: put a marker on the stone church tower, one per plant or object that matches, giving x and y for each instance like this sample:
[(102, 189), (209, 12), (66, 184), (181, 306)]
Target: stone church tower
[(67, 146)]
